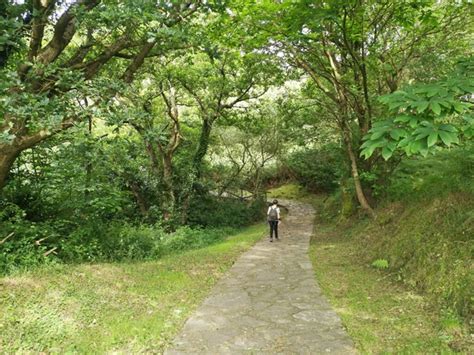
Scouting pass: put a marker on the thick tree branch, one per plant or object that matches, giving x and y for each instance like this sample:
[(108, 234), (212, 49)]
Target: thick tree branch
[(93, 67), (64, 30), (82, 51), (241, 97), (173, 114), (198, 99), (40, 14), (137, 61), (29, 141)]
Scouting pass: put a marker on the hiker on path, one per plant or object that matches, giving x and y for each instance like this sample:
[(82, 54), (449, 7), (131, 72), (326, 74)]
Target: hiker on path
[(273, 216)]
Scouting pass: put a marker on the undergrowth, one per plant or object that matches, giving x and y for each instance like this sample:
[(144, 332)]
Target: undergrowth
[(26, 244)]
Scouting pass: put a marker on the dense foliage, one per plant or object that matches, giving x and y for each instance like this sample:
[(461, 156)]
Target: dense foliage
[(319, 170), (426, 115), (424, 229)]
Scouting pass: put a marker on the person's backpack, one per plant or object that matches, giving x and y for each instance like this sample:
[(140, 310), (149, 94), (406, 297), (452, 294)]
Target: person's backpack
[(273, 214)]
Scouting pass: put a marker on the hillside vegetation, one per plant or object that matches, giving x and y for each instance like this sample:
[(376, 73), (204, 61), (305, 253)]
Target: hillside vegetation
[(403, 281), (422, 238), (424, 227)]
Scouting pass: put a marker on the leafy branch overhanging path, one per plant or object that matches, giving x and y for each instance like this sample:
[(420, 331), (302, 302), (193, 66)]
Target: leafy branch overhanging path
[(269, 302)]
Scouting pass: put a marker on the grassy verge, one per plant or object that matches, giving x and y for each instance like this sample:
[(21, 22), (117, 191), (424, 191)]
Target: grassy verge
[(97, 308), (381, 314), (292, 192)]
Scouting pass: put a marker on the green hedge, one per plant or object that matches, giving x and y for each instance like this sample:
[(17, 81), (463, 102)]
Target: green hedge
[(317, 169), (212, 211)]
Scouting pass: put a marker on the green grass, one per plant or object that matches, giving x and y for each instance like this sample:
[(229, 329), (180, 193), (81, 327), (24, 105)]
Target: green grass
[(121, 307), (288, 191), (382, 314), (293, 192)]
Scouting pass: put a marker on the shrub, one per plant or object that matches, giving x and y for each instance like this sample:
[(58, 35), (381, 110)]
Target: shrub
[(83, 243), (417, 179), (24, 243), (211, 211), (317, 169), (21, 255), (95, 239), (132, 242), (93, 242)]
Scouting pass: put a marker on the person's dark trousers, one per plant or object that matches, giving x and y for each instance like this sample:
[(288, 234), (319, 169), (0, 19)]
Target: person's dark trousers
[(273, 229)]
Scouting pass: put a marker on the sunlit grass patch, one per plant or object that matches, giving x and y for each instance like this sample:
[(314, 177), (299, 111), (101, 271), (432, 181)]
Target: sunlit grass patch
[(122, 307), (288, 191)]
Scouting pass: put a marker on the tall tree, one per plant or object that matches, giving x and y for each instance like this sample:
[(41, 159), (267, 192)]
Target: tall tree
[(353, 51), (152, 108), (61, 51), (247, 142), (218, 82)]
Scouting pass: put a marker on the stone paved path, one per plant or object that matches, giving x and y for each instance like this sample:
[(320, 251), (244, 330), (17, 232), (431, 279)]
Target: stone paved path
[(268, 303)]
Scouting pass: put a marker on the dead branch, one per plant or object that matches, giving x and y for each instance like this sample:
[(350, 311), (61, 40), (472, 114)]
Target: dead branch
[(38, 242), (53, 250), (8, 236)]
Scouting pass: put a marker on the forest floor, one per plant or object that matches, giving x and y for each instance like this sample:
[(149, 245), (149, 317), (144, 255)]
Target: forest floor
[(269, 302)]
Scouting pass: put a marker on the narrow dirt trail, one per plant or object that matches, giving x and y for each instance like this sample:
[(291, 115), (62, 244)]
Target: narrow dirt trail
[(269, 302)]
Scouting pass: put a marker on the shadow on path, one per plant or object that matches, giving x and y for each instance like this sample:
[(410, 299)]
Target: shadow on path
[(269, 302)]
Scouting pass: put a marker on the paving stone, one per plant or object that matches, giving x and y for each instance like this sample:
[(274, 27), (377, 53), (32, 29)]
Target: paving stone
[(268, 303)]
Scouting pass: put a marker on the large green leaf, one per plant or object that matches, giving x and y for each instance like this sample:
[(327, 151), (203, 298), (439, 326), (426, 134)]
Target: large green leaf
[(432, 90), (459, 107), (432, 138), (397, 133), (367, 152), (448, 128), (435, 107), (405, 141), (386, 153), (413, 122), (420, 106), (377, 134), (416, 146), (448, 137)]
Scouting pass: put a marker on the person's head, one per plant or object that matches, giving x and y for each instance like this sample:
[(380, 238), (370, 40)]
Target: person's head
[(275, 202)]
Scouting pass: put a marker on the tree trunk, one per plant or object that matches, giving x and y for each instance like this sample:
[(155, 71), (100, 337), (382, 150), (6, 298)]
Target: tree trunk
[(154, 162), (199, 155), (89, 163), (8, 156), (347, 200), (355, 173), (185, 208), (139, 197), (170, 200), (202, 147)]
